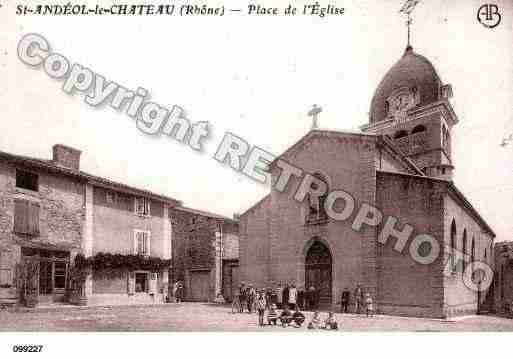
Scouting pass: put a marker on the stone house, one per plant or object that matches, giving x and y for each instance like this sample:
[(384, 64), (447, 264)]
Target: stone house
[(205, 253), (51, 211)]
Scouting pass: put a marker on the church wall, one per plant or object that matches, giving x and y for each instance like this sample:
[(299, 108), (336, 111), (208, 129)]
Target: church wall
[(254, 244), (406, 287), (347, 163), (459, 299)]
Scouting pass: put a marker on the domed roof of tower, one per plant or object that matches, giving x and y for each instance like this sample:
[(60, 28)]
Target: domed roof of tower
[(411, 71)]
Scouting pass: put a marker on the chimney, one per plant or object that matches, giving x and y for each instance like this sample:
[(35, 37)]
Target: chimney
[(66, 157)]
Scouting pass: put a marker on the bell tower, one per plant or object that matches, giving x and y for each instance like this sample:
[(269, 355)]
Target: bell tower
[(411, 106)]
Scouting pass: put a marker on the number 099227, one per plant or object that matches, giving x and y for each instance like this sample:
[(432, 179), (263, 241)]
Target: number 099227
[(27, 348)]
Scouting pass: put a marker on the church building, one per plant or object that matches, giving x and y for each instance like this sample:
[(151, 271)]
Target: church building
[(401, 163)]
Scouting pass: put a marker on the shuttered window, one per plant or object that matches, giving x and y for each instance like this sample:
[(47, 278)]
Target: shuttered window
[(142, 206), (142, 243), (26, 217)]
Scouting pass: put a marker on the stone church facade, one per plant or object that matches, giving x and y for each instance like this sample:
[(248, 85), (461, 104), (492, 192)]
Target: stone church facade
[(400, 163)]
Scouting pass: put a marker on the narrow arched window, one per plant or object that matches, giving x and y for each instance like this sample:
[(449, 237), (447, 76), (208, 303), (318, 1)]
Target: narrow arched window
[(464, 250), (400, 134), (453, 243), (473, 255), (418, 129), (316, 210)]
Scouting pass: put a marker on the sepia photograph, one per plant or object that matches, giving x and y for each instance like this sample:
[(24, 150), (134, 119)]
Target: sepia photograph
[(342, 167)]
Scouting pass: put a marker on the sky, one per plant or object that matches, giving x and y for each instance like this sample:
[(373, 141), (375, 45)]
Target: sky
[(257, 77)]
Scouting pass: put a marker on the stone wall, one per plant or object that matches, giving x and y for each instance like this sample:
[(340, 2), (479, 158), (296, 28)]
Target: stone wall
[(61, 214), (193, 247), (458, 298), (406, 287), (275, 237)]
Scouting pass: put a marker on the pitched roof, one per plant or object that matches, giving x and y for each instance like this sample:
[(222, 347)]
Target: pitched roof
[(382, 140), (311, 133), (257, 205), (205, 213), (51, 167)]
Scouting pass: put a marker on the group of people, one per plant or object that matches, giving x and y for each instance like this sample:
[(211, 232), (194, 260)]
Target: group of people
[(291, 300), (361, 301), (283, 296), (289, 317)]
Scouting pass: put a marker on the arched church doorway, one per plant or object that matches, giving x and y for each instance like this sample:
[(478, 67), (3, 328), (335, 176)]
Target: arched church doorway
[(318, 272)]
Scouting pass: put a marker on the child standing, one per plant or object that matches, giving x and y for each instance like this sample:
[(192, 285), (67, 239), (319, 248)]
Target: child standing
[(368, 305), (250, 297), (260, 305)]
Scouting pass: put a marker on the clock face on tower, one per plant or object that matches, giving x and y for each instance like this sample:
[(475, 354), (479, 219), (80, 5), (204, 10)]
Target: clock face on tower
[(400, 101)]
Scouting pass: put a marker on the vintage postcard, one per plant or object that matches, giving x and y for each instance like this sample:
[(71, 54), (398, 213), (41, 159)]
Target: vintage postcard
[(272, 167)]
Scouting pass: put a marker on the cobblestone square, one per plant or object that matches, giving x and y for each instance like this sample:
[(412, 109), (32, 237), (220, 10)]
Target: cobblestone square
[(212, 317)]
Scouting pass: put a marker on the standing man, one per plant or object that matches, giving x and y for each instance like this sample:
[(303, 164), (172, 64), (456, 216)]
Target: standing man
[(344, 301), (313, 298), (274, 294), (301, 298), (242, 297), (293, 297), (279, 296), (251, 296), (177, 291), (286, 296), (358, 299)]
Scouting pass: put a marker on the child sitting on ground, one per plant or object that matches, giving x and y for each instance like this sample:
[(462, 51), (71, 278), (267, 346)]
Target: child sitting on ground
[(285, 317), (330, 322), (272, 316), (368, 305), (298, 318), (316, 321)]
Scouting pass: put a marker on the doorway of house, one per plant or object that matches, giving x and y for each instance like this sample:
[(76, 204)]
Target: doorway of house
[(318, 270), (51, 274)]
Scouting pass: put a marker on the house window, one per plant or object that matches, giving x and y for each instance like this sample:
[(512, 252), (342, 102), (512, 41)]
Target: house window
[(26, 217), (5, 273), (142, 206), (141, 282), (142, 243), (27, 180), (110, 197)]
